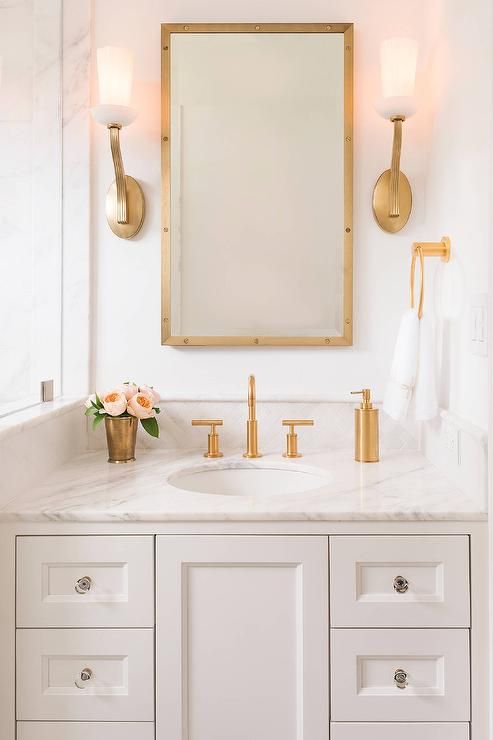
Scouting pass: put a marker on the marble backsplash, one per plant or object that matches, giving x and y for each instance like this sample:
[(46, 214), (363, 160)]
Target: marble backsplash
[(334, 426)]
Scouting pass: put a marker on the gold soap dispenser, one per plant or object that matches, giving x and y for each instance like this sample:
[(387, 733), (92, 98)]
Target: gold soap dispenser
[(366, 443)]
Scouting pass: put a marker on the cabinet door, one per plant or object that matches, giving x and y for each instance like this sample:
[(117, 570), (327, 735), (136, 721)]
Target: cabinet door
[(242, 638)]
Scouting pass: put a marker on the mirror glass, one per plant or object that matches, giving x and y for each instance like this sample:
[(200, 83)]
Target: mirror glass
[(258, 162)]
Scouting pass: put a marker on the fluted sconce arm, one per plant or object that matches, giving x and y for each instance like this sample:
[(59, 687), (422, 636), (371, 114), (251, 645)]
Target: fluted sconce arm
[(395, 168), (392, 196), (125, 204), (121, 190)]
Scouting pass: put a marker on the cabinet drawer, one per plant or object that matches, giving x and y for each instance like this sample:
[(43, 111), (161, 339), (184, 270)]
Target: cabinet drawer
[(50, 662), (88, 731), (395, 731), (116, 590), (395, 581), (364, 664)]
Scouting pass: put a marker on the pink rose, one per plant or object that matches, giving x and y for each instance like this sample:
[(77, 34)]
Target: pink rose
[(114, 402), (141, 405), (129, 389), (152, 392)]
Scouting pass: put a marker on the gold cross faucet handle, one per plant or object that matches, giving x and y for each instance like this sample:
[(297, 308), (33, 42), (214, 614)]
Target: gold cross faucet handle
[(213, 438), (292, 437)]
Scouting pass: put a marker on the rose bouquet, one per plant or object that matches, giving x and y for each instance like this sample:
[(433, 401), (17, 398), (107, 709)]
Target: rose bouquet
[(124, 401)]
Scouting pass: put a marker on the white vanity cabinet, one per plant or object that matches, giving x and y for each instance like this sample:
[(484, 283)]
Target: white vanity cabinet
[(338, 631)]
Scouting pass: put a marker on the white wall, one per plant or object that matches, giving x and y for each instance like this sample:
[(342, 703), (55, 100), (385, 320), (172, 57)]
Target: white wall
[(127, 290), (458, 193)]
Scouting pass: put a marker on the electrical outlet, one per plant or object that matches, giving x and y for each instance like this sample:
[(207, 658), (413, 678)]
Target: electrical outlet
[(451, 443)]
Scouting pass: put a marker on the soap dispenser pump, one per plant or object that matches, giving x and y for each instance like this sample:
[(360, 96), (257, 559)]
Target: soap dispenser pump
[(366, 444)]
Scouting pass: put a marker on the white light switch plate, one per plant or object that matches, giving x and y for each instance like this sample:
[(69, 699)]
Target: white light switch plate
[(478, 331), (451, 444)]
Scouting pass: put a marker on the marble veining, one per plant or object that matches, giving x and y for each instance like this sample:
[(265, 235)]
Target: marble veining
[(30, 193), (76, 345), (404, 486)]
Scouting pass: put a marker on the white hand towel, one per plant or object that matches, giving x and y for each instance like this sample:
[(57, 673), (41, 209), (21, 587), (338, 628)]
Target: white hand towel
[(425, 395), (404, 367)]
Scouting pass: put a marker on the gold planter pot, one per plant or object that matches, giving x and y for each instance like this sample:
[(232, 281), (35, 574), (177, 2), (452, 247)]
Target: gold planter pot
[(121, 435)]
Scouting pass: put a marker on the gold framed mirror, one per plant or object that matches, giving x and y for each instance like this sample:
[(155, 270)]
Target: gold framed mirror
[(257, 160)]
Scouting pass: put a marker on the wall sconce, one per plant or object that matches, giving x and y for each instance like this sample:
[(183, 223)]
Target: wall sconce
[(392, 195), (125, 204)]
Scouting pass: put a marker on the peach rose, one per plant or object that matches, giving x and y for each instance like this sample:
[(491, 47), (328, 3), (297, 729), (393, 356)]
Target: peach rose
[(128, 389), (152, 392), (114, 402), (141, 405)]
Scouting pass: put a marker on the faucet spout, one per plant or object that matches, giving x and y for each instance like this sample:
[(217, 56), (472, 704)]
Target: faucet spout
[(252, 435), (252, 399)]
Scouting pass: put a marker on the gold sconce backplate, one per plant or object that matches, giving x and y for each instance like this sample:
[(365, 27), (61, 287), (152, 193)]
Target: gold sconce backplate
[(381, 192), (135, 209)]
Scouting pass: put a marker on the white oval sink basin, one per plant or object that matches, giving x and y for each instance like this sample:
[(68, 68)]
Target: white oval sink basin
[(247, 480)]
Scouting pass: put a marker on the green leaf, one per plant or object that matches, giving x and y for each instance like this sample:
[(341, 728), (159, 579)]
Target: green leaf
[(98, 418), (90, 410), (151, 426), (99, 403)]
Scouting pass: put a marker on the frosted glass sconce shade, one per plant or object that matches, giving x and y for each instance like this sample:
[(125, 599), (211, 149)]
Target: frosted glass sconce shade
[(115, 75), (398, 59), (392, 195)]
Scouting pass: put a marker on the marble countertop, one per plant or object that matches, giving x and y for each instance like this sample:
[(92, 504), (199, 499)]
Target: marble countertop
[(404, 486)]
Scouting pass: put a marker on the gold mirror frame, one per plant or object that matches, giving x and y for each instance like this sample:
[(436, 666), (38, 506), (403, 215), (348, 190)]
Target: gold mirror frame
[(167, 338)]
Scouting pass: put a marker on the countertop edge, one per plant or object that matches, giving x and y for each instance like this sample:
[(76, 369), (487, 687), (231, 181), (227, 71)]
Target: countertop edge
[(209, 517)]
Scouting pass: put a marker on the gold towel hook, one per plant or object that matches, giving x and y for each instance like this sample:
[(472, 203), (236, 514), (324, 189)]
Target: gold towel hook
[(419, 252), (426, 249)]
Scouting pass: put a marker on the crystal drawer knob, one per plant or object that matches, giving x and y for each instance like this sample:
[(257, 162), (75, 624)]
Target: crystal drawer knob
[(85, 675), (401, 584), (83, 585), (400, 678)]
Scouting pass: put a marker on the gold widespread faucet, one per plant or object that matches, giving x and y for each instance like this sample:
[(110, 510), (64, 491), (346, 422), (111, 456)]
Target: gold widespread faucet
[(252, 440)]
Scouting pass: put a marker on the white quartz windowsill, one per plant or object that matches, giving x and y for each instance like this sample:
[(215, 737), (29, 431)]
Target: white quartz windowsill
[(38, 414)]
